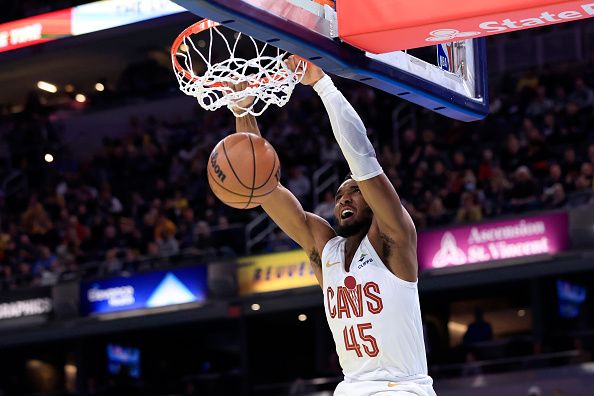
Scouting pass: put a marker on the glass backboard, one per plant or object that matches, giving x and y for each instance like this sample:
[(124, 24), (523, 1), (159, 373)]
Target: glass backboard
[(453, 83)]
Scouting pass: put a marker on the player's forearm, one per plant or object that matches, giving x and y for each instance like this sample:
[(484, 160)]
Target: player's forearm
[(247, 123), (349, 131)]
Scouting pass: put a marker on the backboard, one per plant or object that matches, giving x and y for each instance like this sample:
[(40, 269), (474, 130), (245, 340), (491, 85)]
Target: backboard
[(455, 85)]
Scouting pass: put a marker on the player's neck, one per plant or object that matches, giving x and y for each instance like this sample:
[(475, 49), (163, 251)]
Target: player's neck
[(350, 247)]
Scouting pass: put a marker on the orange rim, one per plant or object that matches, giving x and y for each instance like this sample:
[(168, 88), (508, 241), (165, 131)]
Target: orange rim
[(196, 28)]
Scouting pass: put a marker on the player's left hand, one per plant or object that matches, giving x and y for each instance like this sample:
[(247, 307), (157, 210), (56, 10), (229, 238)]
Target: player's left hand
[(313, 74)]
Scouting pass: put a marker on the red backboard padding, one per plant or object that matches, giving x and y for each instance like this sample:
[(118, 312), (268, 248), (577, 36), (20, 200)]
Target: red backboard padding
[(381, 26)]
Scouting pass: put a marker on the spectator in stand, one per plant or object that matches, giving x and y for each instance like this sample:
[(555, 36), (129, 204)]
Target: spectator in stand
[(582, 95), (410, 147), (583, 193), (459, 163), (570, 166), (436, 213), (470, 211), (554, 197), (325, 209), (555, 176), (112, 265), (44, 260), (486, 166), (513, 154), (587, 171), (534, 391), (537, 152), (168, 245), (590, 156), (202, 237), (524, 192), (440, 176), (278, 241), (329, 151), (35, 220), (299, 184), (540, 104), (478, 331), (186, 228)]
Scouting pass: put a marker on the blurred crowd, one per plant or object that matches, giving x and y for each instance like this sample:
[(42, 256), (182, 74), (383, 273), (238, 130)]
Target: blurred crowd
[(146, 197), (535, 151)]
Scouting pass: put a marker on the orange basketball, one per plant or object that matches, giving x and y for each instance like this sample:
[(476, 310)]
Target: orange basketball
[(243, 169)]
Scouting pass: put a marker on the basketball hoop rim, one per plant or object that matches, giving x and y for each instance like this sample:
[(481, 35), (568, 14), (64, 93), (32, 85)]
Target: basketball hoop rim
[(199, 27), (195, 28)]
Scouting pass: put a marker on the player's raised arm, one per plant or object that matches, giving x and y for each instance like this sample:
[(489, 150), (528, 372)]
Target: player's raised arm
[(310, 231), (393, 231)]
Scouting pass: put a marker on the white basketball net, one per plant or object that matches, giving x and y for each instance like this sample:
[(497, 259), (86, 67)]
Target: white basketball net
[(202, 74)]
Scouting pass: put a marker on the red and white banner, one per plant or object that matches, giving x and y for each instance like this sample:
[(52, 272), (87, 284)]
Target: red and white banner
[(35, 30), (381, 26), (86, 18)]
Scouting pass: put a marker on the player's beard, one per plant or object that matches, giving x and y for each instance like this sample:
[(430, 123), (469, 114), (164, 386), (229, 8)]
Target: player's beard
[(356, 227)]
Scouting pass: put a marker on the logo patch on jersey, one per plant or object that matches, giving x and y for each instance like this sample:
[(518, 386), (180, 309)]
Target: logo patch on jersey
[(363, 263), (350, 282), (392, 384), (329, 264)]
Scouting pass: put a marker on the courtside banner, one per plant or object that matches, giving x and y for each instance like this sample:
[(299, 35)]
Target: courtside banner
[(497, 240), (86, 18), (380, 26), (18, 304), (147, 290), (35, 30), (274, 272)]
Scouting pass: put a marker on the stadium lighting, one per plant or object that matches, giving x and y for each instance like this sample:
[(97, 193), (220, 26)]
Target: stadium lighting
[(99, 87), (45, 86), (457, 327), (183, 48), (80, 98), (521, 313), (302, 317), (255, 307), (48, 158)]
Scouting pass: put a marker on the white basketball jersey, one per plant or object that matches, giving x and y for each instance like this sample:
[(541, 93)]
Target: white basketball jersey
[(374, 316)]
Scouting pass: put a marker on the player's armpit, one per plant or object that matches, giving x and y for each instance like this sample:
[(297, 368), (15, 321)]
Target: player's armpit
[(396, 233), (310, 231)]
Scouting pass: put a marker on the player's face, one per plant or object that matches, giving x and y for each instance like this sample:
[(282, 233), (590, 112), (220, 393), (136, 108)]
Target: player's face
[(352, 213)]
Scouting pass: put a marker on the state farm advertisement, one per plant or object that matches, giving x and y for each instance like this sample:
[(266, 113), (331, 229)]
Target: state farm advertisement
[(412, 24), (497, 240), (511, 20)]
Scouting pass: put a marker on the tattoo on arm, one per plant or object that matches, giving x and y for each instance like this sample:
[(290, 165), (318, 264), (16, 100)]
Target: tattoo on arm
[(315, 259)]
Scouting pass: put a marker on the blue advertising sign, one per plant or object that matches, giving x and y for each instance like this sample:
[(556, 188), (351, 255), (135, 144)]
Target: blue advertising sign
[(147, 290)]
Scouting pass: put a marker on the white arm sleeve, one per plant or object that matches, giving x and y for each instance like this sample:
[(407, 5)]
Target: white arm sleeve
[(349, 131)]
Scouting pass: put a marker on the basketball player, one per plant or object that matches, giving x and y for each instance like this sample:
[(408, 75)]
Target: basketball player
[(367, 266)]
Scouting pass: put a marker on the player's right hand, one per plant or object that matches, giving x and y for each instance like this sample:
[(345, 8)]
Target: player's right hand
[(313, 74), (240, 106)]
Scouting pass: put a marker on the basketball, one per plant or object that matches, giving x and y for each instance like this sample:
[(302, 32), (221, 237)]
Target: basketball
[(243, 169)]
